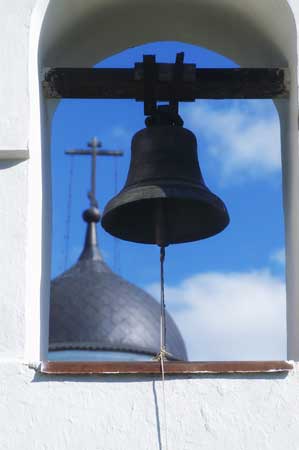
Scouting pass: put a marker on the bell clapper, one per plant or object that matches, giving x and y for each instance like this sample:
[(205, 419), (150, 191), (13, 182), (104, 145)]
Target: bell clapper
[(162, 240)]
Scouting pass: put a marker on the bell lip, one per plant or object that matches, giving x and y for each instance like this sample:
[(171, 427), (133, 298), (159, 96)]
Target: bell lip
[(150, 192)]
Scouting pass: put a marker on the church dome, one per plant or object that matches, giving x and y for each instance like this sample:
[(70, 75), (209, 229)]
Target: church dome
[(92, 308)]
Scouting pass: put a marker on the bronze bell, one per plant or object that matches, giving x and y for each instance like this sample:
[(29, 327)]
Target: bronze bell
[(165, 200)]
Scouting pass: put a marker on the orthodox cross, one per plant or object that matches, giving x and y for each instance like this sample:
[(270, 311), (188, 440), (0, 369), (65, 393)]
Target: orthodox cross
[(94, 151)]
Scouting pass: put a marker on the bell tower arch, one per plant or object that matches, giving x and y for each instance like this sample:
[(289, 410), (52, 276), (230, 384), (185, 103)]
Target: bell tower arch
[(246, 33)]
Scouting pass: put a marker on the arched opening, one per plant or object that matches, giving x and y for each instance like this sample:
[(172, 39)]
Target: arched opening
[(251, 41), (226, 293)]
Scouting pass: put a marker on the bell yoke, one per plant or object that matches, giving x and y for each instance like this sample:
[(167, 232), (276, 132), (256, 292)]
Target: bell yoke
[(165, 199)]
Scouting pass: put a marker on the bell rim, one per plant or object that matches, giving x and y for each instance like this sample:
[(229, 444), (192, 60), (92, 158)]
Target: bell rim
[(153, 192)]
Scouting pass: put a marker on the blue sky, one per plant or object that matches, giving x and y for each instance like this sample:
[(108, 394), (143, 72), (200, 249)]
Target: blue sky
[(226, 293)]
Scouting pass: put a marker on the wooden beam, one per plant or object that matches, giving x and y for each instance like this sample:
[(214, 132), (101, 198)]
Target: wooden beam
[(171, 367), (195, 84)]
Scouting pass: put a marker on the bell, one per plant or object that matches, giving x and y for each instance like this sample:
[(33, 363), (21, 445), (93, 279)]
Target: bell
[(165, 200)]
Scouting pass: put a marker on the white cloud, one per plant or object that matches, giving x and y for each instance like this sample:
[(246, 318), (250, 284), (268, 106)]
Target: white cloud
[(230, 316), (244, 136), (120, 132), (279, 257)]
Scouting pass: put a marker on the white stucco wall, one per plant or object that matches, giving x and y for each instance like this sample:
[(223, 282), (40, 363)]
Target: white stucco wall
[(229, 412), (40, 412), (13, 236)]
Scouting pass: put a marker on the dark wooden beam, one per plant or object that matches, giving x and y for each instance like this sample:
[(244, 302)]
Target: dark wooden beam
[(170, 367), (196, 83)]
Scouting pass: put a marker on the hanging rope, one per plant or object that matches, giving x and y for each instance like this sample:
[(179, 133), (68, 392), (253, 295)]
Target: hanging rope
[(68, 215), (162, 306), (116, 242), (163, 354)]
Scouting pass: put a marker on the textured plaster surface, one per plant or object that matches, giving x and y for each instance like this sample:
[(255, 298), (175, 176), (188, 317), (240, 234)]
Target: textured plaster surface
[(13, 235), (225, 412), (14, 55)]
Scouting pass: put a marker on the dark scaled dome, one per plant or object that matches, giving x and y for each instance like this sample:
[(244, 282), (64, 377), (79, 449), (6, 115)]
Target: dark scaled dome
[(92, 308)]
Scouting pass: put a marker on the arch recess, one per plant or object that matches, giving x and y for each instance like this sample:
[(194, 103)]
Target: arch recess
[(79, 34)]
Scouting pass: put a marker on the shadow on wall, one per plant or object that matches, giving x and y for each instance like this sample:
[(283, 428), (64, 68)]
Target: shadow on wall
[(43, 378), (4, 165)]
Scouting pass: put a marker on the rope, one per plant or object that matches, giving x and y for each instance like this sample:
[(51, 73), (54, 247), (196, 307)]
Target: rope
[(163, 354), (163, 306), (68, 215)]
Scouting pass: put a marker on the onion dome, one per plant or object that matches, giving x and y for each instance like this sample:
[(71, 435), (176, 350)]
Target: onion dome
[(92, 308)]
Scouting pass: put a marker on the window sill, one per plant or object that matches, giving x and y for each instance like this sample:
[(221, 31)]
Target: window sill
[(170, 367)]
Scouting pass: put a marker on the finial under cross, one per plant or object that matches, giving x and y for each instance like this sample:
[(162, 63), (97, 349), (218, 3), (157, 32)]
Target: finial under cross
[(94, 151)]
